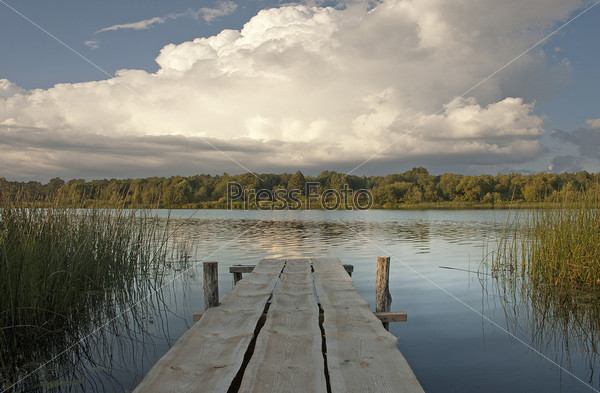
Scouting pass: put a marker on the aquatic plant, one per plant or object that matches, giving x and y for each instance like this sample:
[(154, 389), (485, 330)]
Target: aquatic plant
[(63, 274), (555, 247), (546, 269)]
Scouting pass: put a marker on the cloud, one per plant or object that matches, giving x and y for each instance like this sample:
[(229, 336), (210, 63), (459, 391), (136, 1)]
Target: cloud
[(593, 123), (223, 8), (310, 86), (142, 24), (34, 153), (9, 89), (566, 163), (587, 140), (93, 44)]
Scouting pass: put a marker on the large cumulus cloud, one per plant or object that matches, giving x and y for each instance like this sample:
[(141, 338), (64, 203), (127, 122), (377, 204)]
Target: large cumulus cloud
[(308, 84)]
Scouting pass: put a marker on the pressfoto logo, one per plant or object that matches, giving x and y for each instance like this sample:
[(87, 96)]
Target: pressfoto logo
[(312, 197)]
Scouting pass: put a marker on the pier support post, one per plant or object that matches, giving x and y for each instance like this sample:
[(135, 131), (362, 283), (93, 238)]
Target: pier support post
[(237, 276), (211, 284), (383, 298), (349, 269)]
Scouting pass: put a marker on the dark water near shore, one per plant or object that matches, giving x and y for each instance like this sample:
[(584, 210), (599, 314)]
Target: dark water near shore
[(462, 334)]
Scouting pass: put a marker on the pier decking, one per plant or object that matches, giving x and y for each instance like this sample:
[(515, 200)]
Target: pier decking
[(318, 335)]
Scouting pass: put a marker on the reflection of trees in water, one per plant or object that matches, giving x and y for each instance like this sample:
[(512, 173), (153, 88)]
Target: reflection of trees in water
[(563, 323), (100, 346), (306, 235), (456, 232)]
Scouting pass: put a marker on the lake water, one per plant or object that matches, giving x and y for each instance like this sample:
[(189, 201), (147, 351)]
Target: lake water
[(456, 338)]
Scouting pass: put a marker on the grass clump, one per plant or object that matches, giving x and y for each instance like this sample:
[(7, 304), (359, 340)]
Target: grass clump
[(564, 247), (556, 247), (547, 273), (63, 273)]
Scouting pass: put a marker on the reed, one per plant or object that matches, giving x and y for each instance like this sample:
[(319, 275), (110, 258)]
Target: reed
[(65, 272), (546, 269), (555, 248)]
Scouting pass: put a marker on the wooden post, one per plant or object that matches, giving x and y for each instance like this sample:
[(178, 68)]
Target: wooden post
[(237, 271), (211, 284), (236, 277), (349, 269), (383, 299)]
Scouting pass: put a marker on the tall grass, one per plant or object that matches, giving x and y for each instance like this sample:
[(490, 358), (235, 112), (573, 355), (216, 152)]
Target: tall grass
[(556, 248), (547, 274), (65, 272)]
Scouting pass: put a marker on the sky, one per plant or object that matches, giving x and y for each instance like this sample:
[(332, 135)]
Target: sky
[(133, 89)]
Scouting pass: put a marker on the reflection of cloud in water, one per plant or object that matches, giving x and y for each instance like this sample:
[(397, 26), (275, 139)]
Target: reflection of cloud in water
[(312, 237)]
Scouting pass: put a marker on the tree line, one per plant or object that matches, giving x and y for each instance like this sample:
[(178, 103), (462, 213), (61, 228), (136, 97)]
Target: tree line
[(416, 187)]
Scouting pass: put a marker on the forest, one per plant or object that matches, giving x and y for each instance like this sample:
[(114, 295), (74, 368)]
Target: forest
[(416, 188)]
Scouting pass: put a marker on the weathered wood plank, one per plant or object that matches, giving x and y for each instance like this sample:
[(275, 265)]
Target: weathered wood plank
[(208, 356), (391, 316), (288, 355), (241, 268), (235, 269), (361, 355)]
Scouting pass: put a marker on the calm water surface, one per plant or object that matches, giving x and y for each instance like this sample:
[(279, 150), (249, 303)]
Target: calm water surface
[(456, 336)]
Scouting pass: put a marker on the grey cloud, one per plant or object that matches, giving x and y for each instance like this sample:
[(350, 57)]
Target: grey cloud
[(566, 164), (39, 154), (587, 140), (42, 139)]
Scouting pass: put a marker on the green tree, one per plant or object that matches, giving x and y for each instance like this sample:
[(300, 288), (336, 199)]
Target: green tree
[(297, 182), (447, 186), (53, 185)]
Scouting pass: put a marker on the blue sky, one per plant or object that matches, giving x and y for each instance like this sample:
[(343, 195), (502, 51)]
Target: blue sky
[(579, 99), (33, 59), (368, 87)]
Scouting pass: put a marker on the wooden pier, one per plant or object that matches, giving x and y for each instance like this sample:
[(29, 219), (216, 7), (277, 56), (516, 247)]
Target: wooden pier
[(295, 325)]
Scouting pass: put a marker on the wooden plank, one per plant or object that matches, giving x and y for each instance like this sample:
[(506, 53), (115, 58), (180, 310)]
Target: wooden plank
[(391, 316), (361, 355), (208, 356), (288, 355), (248, 268), (241, 268)]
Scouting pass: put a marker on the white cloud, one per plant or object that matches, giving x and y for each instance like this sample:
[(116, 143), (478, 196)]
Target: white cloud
[(328, 85), (93, 44), (9, 89), (593, 123), (140, 25), (223, 8)]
